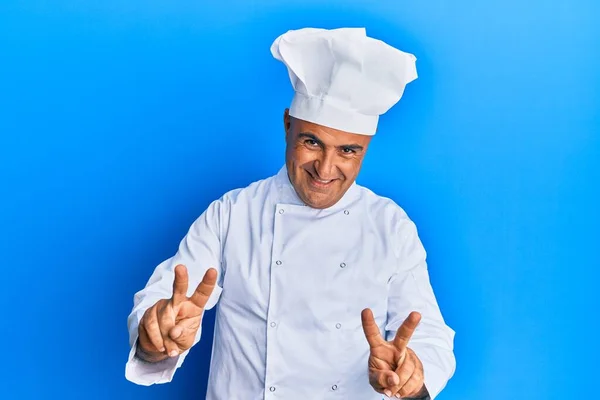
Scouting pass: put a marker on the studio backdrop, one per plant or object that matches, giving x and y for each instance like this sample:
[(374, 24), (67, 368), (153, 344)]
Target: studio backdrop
[(120, 121)]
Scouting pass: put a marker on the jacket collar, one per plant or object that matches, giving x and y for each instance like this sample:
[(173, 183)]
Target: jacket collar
[(287, 194)]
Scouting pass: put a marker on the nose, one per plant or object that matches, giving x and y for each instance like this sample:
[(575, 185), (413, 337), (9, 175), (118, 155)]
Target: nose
[(324, 166)]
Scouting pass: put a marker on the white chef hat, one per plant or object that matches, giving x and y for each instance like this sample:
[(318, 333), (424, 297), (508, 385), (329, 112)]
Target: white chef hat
[(342, 78)]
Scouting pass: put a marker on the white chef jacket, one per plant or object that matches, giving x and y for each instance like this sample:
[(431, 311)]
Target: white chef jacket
[(292, 282)]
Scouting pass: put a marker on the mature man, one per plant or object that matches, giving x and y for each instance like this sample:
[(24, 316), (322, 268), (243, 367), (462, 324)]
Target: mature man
[(322, 285)]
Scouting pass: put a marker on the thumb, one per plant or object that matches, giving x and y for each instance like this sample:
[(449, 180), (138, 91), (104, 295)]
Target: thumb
[(392, 379), (382, 381), (176, 332), (184, 332)]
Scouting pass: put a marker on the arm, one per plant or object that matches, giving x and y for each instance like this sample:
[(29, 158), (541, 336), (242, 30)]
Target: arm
[(410, 290), (199, 250)]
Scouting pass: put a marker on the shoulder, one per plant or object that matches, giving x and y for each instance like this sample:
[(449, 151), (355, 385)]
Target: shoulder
[(385, 212), (391, 219), (377, 205), (219, 211), (243, 196)]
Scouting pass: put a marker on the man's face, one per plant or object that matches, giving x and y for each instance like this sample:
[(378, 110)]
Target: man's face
[(322, 162)]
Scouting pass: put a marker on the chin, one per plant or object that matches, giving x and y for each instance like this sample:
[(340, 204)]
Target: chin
[(317, 202)]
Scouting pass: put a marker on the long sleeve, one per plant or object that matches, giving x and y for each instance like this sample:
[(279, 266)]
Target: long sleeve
[(410, 290), (199, 250)]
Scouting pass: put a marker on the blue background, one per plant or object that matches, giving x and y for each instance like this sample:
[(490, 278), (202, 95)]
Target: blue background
[(121, 120)]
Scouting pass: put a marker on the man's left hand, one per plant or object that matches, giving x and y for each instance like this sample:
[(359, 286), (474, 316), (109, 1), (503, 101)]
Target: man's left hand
[(394, 369)]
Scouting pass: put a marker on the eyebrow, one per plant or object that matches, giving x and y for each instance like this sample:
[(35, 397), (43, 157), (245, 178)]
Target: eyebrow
[(309, 135)]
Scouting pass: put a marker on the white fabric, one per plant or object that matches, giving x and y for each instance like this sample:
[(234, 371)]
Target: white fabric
[(342, 78), (292, 283)]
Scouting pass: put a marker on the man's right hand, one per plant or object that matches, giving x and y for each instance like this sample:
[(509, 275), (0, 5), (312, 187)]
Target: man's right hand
[(169, 327)]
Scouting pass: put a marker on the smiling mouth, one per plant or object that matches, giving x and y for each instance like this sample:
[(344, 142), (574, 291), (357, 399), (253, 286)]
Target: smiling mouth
[(320, 183)]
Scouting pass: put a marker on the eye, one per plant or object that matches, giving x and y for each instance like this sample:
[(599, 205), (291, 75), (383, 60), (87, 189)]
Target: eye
[(311, 142), (348, 150)]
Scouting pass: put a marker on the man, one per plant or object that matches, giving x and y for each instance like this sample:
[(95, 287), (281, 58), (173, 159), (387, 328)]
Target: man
[(322, 285)]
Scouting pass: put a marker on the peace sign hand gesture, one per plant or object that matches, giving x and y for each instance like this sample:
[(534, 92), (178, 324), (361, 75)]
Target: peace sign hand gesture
[(394, 369), (169, 327)]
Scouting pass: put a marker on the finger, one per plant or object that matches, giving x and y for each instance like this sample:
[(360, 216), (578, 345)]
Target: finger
[(184, 328), (402, 357), (370, 328), (180, 285), (406, 330), (404, 372), (413, 386), (391, 379), (383, 380), (150, 326), (166, 320), (184, 332), (176, 332), (188, 310), (205, 288), (145, 343)]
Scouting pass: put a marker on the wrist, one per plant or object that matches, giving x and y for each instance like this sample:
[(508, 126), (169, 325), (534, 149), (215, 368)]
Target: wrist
[(423, 394), (149, 356)]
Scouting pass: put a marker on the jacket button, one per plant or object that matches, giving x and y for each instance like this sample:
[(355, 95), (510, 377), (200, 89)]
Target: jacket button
[(272, 388), (281, 211), (278, 262), (338, 325), (343, 265), (346, 212), (334, 387)]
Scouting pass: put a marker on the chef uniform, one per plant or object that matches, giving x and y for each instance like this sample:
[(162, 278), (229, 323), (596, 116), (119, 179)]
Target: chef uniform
[(292, 279)]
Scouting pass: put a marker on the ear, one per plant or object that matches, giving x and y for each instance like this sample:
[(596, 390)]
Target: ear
[(287, 123)]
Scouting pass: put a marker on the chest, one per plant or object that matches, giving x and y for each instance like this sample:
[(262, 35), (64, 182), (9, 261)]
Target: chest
[(324, 267)]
